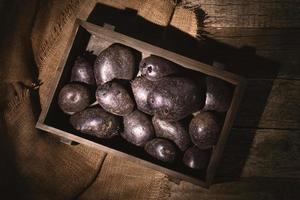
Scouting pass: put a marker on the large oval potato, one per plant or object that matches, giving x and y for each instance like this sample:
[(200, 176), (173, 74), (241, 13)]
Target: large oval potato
[(174, 98)]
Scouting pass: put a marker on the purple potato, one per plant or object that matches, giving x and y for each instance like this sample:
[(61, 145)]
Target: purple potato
[(161, 149), (174, 98), (74, 97), (141, 88), (154, 67), (204, 129), (82, 71), (138, 128), (115, 99), (218, 95), (115, 62), (96, 122), (196, 158), (173, 131)]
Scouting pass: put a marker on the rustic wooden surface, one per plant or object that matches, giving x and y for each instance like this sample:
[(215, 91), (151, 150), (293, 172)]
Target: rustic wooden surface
[(278, 46), (251, 13), (258, 40)]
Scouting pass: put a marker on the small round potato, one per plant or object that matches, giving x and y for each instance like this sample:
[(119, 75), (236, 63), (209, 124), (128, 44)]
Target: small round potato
[(82, 71), (154, 67), (196, 158), (138, 128), (96, 122), (218, 95), (204, 129), (161, 149), (74, 97)]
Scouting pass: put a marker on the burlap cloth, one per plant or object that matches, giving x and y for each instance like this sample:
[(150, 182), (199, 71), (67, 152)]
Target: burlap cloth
[(35, 165)]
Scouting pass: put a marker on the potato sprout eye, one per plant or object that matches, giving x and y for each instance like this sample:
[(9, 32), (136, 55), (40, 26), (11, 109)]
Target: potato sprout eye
[(149, 69)]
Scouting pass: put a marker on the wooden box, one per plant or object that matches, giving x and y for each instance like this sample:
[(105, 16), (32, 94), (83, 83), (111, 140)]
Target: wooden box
[(87, 36)]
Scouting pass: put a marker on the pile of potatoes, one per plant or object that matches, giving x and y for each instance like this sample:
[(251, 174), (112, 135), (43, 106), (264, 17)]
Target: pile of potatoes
[(153, 103)]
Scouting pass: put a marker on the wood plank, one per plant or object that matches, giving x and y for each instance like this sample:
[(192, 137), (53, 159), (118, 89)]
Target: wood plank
[(261, 153), (255, 53), (248, 189), (249, 13), (272, 155), (270, 104)]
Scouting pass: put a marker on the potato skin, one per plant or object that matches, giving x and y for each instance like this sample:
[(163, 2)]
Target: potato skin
[(173, 131), (138, 128), (74, 97), (161, 149), (204, 129), (141, 88), (82, 71), (154, 67), (115, 62), (114, 98), (174, 98), (96, 122), (218, 95), (196, 158)]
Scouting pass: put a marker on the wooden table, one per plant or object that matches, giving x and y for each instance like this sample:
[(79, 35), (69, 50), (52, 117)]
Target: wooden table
[(261, 41)]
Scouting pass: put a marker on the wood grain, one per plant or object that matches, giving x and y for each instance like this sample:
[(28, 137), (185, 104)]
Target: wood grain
[(268, 160), (256, 53), (256, 188), (270, 104), (249, 13), (261, 153)]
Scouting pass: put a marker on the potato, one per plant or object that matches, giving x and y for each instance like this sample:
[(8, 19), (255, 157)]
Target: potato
[(218, 95), (74, 97), (174, 98), (115, 99), (115, 62), (141, 88), (173, 131), (196, 158), (154, 67), (204, 129), (161, 149), (96, 122), (82, 71), (138, 128)]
